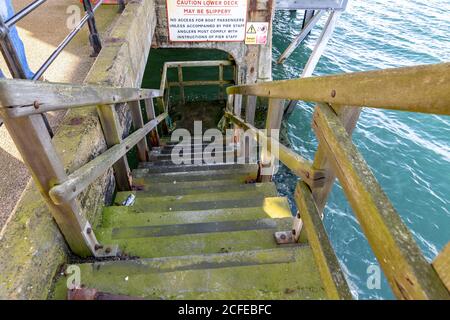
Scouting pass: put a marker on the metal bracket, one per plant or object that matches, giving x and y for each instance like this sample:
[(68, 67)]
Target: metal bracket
[(98, 250), (292, 236)]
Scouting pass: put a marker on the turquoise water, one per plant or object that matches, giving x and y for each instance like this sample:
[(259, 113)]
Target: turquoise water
[(408, 153)]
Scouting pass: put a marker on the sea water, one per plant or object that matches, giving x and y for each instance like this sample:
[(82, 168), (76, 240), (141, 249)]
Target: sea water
[(409, 153)]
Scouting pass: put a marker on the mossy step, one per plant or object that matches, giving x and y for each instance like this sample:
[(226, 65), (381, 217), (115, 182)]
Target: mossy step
[(248, 173), (176, 191), (145, 184), (151, 168), (282, 273), (199, 238), (167, 149), (193, 140), (146, 198), (273, 207), (141, 206), (222, 156)]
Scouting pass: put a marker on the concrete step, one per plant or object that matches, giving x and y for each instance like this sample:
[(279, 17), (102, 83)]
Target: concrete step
[(167, 149), (170, 167), (147, 185), (255, 201), (145, 199), (276, 273), (249, 173), (171, 189), (272, 207), (194, 238)]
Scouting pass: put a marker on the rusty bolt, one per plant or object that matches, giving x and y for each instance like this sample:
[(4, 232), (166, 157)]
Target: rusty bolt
[(36, 105), (307, 174), (283, 236), (108, 250), (88, 230), (74, 189), (98, 247), (298, 215), (333, 93), (293, 232)]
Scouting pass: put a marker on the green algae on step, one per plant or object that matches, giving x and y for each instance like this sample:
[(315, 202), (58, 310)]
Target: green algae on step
[(194, 243), (146, 185), (172, 189), (253, 274), (145, 199), (272, 207)]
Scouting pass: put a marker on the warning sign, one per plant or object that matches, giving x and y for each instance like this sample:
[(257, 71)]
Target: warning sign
[(256, 32), (206, 20)]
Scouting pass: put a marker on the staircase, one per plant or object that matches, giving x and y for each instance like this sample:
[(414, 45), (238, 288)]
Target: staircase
[(200, 232)]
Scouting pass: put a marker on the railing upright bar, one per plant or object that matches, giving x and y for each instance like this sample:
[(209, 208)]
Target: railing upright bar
[(9, 52), (113, 135), (180, 81), (150, 110), (221, 80), (94, 37), (34, 143), (349, 117), (273, 122), (138, 123)]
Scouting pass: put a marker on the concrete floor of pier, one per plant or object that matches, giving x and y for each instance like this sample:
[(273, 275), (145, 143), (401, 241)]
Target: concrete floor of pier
[(42, 31)]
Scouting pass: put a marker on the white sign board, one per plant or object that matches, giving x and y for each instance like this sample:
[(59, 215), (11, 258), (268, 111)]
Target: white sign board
[(206, 20)]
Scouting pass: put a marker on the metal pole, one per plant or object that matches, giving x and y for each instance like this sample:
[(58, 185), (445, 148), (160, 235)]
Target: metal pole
[(94, 37), (9, 52), (13, 62), (23, 13), (317, 52), (121, 5)]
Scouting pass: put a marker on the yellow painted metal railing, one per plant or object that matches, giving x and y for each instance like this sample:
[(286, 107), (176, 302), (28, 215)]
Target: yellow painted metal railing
[(339, 100)]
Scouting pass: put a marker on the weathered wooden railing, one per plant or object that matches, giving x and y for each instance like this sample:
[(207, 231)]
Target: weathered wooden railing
[(181, 83), (21, 104), (338, 102)]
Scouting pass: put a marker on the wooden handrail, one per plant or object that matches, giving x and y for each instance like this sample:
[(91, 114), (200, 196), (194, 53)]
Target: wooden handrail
[(419, 89), (81, 178), (409, 274), (24, 97), (296, 163)]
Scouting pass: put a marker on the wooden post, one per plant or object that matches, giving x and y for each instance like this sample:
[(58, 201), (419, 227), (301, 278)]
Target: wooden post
[(349, 117), (110, 126), (138, 122), (273, 122), (150, 110), (250, 110), (33, 141), (221, 80), (180, 80)]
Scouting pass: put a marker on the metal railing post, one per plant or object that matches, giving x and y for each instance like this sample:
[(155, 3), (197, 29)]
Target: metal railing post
[(121, 5), (13, 62), (9, 52), (94, 37)]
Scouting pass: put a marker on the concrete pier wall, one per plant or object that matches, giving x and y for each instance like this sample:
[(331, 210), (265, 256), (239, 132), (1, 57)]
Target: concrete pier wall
[(254, 61), (31, 246)]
